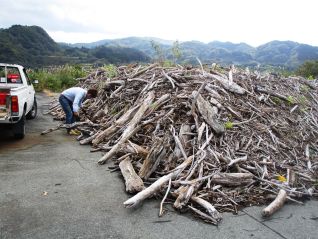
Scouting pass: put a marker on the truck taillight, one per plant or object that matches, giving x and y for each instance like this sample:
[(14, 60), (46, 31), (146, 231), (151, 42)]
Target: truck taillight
[(14, 104)]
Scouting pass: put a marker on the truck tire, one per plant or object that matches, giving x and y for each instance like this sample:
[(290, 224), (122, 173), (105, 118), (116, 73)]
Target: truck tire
[(19, 129), (33, 112)]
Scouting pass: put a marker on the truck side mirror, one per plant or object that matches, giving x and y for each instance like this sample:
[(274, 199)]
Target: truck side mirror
[(35, 82)]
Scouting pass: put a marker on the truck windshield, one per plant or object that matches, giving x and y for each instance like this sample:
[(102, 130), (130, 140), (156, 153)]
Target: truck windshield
[(10, 75)]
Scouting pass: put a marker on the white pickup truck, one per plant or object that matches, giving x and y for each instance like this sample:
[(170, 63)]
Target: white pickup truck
[(17, 98)]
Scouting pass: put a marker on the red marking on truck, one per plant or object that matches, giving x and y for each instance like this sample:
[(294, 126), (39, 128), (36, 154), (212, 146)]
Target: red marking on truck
[(13, 76), (3, 97)]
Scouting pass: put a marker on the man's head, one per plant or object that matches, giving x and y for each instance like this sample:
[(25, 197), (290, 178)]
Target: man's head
[(91, 93)]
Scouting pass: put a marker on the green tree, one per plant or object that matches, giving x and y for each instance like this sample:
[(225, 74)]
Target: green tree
[(176, 51), (158, 51), (309, 69)]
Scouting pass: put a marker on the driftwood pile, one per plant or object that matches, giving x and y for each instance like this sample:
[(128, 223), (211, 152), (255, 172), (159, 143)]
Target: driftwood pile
[(210, 140)]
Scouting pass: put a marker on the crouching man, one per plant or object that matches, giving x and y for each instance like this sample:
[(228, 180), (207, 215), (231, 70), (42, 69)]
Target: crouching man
[(71, 101)]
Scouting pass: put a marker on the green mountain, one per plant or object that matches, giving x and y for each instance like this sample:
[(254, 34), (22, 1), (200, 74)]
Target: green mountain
[(32, 46), (26, 44), (219, 52), (141, 43), (276, 53), (240, 47), (285, 53)]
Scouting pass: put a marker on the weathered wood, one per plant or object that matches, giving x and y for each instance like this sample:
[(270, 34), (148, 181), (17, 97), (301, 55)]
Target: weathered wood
[(143, 70), (184, 196), (133, 148), (276, 204), (52, 129), (232, 179), (184, 136), (172, 81), (115, 126), (291, 177), (208, 114), (64, 126), (158, 103), (157, 185), (208, 207), (204, 216), (178, 142), (237, 160), (156, 154), (226, 84), (130, 127), (88, 140), (100, 114), (271, 93), (132, 181), (164, 198), (200, 131)]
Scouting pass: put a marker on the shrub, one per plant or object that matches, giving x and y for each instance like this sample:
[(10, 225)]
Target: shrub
[(111, 70), (57, 78), (309, 69)]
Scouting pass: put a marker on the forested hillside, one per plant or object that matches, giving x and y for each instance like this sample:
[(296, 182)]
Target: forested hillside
[(32, 46)]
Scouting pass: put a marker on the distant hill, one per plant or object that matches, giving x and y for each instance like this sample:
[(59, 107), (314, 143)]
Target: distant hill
[(219, 52), (276, 53), (134, 42), (240, 47), (286, 53), (32, 46), (141, 43)]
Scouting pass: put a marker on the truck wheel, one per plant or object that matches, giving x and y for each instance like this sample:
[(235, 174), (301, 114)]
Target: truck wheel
[(19, 129), (33, 112)]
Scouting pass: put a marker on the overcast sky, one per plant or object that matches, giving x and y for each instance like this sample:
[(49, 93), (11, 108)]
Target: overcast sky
[(251, 21)]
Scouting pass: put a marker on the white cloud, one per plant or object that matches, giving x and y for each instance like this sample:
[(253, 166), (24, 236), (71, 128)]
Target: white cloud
[(252, 21)]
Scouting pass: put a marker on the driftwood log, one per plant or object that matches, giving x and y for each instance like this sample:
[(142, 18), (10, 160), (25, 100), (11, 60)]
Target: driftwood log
[(132, 181), (276, 204), (154, 157), (209, 114), (216, 217), (232, 179)]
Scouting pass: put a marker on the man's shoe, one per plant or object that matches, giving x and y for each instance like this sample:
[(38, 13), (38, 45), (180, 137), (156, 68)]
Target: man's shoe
[(74, 132), (70, 126)]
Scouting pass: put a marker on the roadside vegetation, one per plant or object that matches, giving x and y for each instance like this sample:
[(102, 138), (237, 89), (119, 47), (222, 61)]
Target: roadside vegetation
[(56, 78)]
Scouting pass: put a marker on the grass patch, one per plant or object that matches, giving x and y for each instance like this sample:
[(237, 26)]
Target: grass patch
[(228, 125)]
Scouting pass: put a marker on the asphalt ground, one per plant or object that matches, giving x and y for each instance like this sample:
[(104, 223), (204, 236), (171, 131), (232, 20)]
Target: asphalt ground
[(51, 187)]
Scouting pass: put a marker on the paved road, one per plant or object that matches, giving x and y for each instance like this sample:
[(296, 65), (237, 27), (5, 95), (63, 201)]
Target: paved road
[(50, 187)]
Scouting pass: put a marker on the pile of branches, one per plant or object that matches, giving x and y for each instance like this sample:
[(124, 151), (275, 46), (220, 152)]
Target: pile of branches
[(205, 139)]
